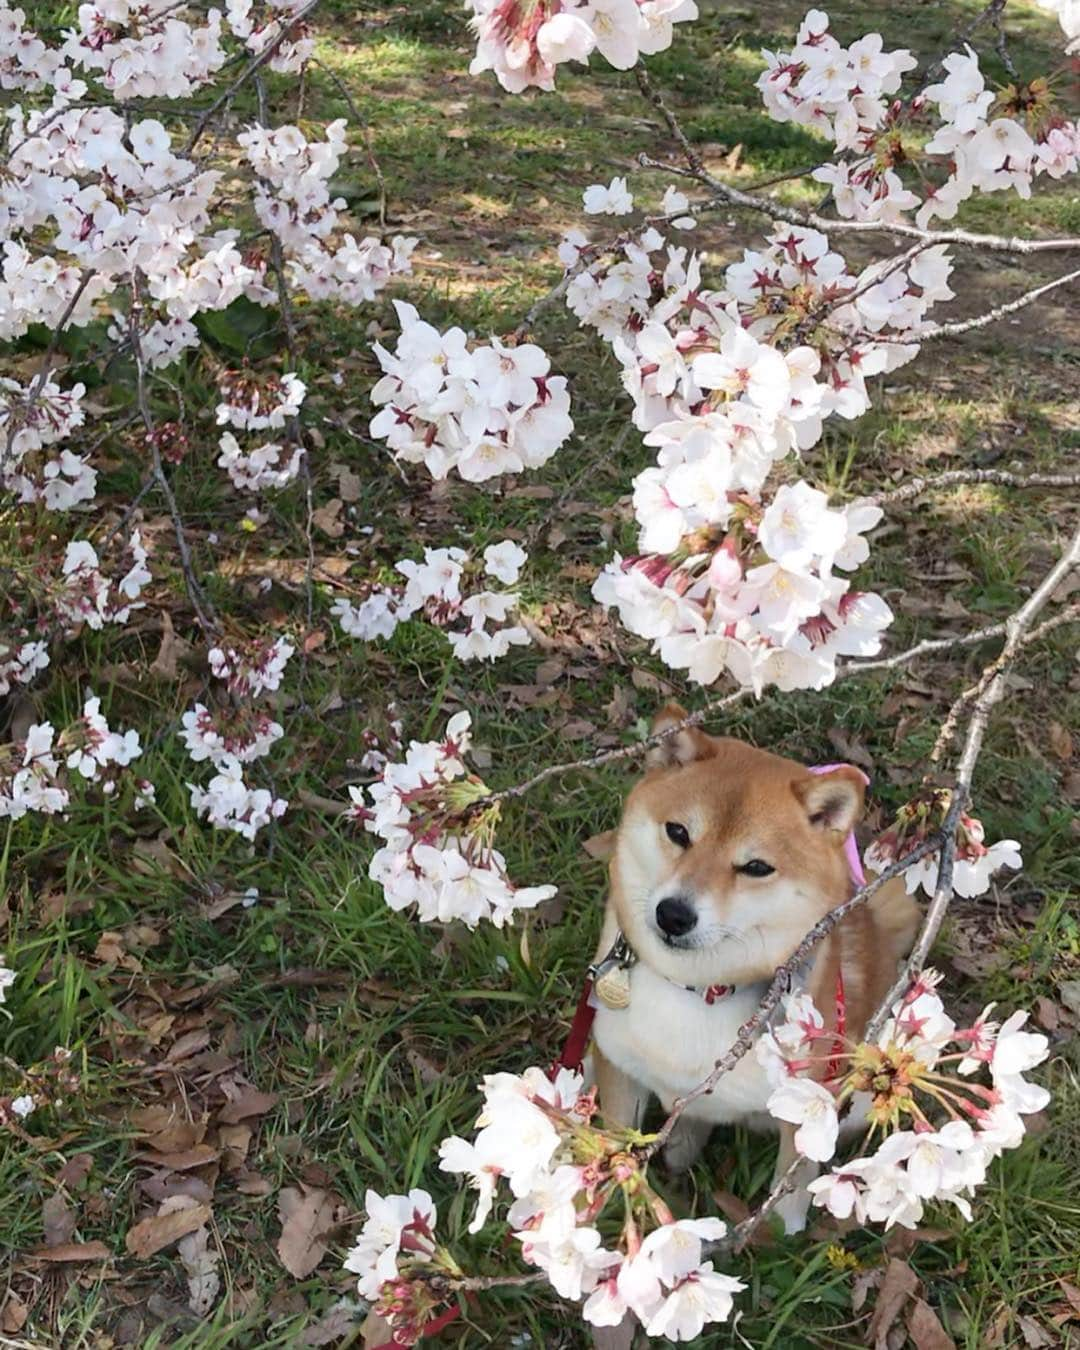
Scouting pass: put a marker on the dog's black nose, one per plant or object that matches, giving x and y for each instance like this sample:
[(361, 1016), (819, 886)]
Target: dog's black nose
[(675, 916)]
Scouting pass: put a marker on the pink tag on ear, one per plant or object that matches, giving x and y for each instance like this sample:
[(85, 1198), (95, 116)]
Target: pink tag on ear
[(851, 848)]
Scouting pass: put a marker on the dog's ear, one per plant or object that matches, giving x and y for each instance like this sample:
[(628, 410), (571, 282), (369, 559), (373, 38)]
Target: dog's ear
[(681, 747), (834, 800)]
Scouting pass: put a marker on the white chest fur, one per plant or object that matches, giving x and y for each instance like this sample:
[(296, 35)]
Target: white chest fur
[(668, 1040)]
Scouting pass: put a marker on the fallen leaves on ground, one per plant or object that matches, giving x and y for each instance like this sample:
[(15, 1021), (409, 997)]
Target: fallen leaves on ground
[(307, 1217)]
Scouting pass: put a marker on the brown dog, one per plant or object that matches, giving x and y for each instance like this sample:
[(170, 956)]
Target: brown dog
[(725, 857)]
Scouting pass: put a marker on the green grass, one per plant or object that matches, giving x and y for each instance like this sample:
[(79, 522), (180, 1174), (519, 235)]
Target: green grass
[(379, 1059)]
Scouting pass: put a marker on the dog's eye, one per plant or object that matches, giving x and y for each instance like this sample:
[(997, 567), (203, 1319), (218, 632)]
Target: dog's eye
[(678, 834), (756, 867)]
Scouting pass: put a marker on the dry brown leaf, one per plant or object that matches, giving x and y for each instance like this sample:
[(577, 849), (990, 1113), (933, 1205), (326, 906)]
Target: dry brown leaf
[(328, 518), (253, 1183), (850, 748), (162, 1230), (1072, 1293), (547, 672), (75, 1171), (173, 650), (13, 1314), (376, 1331), (307, 1215), (1061, 741), (349, 484), (72, 1251), (925, 1329), (1047, 1013), (899, 1284), (235, 1141), (200, 1266), (1035, 1334), (183, 1161), (331, 1328), (245, 1102), (58, 1220)]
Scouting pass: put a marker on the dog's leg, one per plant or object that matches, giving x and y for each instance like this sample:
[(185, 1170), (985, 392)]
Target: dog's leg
[(685, 1143), (622, 1099), (793, 1207)]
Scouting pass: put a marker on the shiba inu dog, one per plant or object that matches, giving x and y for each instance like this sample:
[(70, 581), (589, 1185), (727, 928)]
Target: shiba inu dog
[(725, 857)]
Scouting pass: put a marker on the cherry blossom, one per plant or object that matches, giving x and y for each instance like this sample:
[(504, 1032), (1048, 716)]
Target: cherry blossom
[(523, 41), (974, 865), (490, 410), (438, 855), (446, 589)]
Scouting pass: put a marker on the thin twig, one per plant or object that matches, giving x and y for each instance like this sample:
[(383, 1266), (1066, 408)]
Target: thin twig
[(277, 265), (946, 330), (366, 132), (204, 611), (252, 68), (927, 647), (991, 691)]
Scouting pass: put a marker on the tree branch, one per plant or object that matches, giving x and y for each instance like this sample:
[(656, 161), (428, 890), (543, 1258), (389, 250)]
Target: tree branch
[(253, 66), (915, 487), (730, 196), (946, 330)]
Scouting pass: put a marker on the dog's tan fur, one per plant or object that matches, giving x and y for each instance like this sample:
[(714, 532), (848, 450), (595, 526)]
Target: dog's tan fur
[(737, 803)]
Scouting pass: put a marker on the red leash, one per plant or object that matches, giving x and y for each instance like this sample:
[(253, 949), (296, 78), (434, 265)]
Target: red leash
[(573, 1052)]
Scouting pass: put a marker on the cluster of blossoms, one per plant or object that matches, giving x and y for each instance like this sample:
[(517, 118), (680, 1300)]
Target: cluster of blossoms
[(985, 141), (143, 48), (439, 588), (40, 773), (438, 837), (80, 595), (236, 732), (755, 594), (147, 48), (483, 411), (914, 1088), (974, 863), (33, 420), (266, 23), (250, 404), (994, 143), (536, 1134), (86, 596), (292, 201), (725, 384), (523, 41), (91, 197)]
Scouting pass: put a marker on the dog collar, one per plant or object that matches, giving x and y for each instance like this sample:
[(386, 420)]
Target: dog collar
[(611, 978)]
